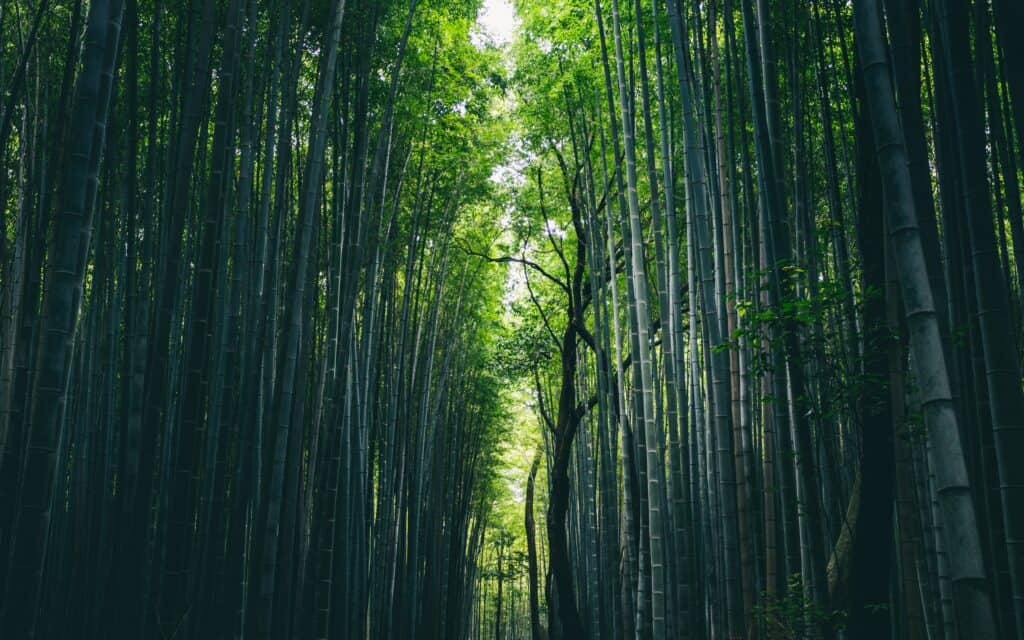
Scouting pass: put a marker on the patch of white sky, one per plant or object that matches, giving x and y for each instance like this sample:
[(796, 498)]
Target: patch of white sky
[(496, 23), (510, 172)]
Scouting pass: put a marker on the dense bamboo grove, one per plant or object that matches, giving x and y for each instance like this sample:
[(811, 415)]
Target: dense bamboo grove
[(644, 319), (247, 380)]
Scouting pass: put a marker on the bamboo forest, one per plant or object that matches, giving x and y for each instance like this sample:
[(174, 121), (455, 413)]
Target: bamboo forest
[(511, 319)]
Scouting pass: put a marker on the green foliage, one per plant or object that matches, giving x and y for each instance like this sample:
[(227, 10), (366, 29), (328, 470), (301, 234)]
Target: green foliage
[(791, 615)]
